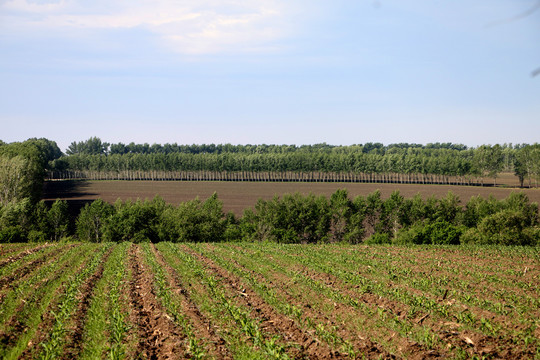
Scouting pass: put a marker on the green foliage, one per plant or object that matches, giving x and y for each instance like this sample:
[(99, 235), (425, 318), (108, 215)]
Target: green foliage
[(92, 146), (36, 236), (504, 228), (137, 221), (478, 208), (341, 211), (15, 179), (440, 232), (355, 225), (15, 221), (93, 221), (390, 214), (293, 219), (58, 219), (11, 234), (488, 160), (448, 208), (196, 221), (378, 238), (22, 168), (527, 163)]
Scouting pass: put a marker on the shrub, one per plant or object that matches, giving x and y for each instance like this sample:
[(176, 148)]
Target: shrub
[(533, 235), (195, 221), (378, 238), (412, 235), (11, 234), (37, 236), (93, 220), (136, 221), (439, 232), (442, 233), (504, 228)]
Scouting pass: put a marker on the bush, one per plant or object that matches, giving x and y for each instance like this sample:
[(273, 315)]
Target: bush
[(378, 238), (412, 235), (37, 236), (506, 227), (11, 234), (442, 233), (439, 232), (136, 221), (533, 235), (195, 221), (293, 219)]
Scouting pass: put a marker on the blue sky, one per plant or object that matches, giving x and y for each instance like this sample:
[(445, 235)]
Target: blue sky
[(270, 71)]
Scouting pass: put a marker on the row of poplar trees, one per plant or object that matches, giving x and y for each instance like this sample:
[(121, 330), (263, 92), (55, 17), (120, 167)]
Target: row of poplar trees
[(439, 162)]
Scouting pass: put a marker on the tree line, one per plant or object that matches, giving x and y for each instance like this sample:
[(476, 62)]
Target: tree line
[(293, 218), (444, 163), (95, 146)]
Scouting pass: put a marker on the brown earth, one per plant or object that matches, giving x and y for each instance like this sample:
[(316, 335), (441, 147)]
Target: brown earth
[(21, 255), (323, 296), (76, 331), (237, 196), (48, 318), (20, 273), (271, 321), (203, 327), (159, 337)]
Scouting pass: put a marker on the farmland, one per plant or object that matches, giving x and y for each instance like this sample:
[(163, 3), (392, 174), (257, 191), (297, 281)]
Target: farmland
[(262, 300), (237, 196)]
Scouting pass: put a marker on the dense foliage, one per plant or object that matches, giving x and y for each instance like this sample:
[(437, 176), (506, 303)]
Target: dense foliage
[(370, 162), (294, 218), (23, 167)]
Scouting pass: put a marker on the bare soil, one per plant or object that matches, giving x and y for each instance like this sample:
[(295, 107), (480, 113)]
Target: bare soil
[(237, 196), (271, 322), (159, 338), (203, 327)]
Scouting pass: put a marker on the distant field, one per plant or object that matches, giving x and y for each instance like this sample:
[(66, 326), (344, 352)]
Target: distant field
[(267, 301), (237, 196)]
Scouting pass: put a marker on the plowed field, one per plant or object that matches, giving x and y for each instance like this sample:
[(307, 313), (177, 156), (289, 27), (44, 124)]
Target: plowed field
[(237, 196), (268, 301)]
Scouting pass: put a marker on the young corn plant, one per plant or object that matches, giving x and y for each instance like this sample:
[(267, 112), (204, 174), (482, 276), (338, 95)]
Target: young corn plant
[(195, 349), (53, 346)]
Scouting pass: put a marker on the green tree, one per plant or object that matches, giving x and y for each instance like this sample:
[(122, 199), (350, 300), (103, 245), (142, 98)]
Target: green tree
[(93, 221), (58, 219), (15, 179)]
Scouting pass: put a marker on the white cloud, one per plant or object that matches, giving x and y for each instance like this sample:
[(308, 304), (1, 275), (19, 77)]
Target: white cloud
[(189, 26)]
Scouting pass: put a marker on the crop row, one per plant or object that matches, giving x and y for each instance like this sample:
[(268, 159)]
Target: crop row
[(267, 301)]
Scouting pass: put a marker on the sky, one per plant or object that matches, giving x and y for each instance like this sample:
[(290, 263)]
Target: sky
[(270, 71)]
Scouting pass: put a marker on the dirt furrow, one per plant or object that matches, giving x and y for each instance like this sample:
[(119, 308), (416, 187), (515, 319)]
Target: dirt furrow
[(272, 321), (6, 249), (361, 342), (158, 336), (448, 330), (18, 325), (203, 327), (48, 318), (21, 273), (22, 255), (74, 344)]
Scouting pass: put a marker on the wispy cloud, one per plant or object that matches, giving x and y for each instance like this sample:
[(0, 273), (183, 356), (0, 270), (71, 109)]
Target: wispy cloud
[(190, 26)]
